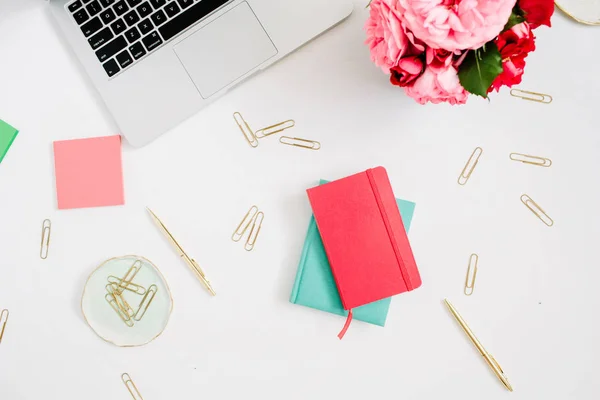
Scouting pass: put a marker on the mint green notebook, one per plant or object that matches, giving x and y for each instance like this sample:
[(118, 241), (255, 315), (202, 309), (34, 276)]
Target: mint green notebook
[(315, 286), (7, 136)]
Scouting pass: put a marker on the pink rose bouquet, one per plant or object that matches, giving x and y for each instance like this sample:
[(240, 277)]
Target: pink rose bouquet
[(444, 50)]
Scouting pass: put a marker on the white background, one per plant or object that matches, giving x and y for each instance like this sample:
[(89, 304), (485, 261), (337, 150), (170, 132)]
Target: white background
[(536, 302)]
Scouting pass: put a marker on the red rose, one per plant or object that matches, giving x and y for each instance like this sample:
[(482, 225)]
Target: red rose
[(537, 12), (514, 45), (438, 58), (407, 70)]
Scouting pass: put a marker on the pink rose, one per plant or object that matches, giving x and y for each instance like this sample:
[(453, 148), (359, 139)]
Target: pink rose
[(387, 38), (455, 24), (438, 85), (407, 70)]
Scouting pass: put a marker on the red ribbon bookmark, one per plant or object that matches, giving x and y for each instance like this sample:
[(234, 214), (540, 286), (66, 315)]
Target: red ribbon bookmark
[(346, 325)]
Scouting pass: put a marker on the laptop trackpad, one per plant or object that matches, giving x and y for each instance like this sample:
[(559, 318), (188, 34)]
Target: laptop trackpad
[(225, 50)]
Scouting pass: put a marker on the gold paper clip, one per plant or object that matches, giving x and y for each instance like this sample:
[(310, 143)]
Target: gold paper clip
[(113, 303), (537, 210), (245, 128), (149, 297), (304, 143), (132, 287), (470, 166), (111, 288), (131, 273), (531, 96), (3, 317), (133, 390), (533, 160), (243, 226), (273, 129), (45, 244), (471, 274), (249, 246)]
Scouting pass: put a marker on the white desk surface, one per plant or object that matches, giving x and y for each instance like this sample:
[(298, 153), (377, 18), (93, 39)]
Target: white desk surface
[(536, 300)]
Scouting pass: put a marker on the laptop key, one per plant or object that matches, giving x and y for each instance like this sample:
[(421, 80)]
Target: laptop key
[(152, 41), (145, 26), (91, 27), (124, 59), (101, 38), (144, 10), (185, 3), (159, 18), (111, 49), (86, 1), (158, 3), (107, 3), (118, 26), (132, 35), (134, 3), (76, 5), (108, 16), (121, 8), (172, 9), (111, 67), (137, 50), (189, 17), (81, 16), (93, 8), (131, 18)]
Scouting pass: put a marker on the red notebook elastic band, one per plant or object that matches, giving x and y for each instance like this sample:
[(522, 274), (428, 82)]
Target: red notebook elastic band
[(346, 325), (390, 232)]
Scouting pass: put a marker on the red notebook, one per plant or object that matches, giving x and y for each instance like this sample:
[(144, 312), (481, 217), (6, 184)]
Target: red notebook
[(364, 238)]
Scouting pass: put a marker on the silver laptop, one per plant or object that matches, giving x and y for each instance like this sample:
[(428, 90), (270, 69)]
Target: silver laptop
[(157, 62)]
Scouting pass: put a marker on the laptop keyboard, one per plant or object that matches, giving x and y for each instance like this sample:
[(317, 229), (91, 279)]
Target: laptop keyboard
[(122, 32)]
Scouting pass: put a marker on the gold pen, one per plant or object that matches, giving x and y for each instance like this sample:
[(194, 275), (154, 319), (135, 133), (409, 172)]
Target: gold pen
[(487, 356), (189, 261)]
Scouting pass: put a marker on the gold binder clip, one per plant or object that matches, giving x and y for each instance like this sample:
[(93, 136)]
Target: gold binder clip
[(111, 288), (531, 96), (131, 273), (273, 129), (113, 303), (132, 287), (243, 226), (470, 166), (145, 303), (133, 390), (533, 160), (249, 246), (245, 128), (537, 210), (471, 274), (45, 244), (3, 320), (304, 143)]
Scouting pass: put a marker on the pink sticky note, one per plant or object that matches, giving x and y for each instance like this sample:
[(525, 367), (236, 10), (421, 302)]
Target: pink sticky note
[(89, 172)]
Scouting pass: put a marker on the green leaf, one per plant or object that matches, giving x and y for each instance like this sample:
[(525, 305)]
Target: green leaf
[(513, 20), (479, 69)]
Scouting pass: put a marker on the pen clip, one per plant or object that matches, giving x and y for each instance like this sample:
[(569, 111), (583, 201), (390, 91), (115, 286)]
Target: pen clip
[(198, 268), (493, 360), (202, 277)]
